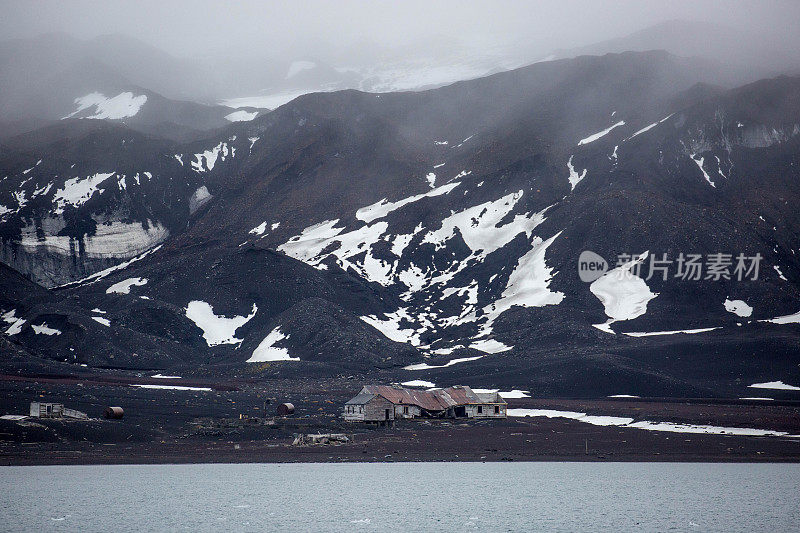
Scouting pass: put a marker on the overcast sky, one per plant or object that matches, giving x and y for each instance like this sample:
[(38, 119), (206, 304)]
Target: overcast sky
[(196, 27)]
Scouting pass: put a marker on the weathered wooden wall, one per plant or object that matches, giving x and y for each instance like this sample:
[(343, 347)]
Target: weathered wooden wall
[(375, 410)]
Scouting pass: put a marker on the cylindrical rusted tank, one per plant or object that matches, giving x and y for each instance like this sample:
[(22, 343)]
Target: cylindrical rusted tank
[(285, 409), (113, 413)]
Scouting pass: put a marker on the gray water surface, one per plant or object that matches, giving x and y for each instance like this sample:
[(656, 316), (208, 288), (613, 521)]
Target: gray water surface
[(403, 497)]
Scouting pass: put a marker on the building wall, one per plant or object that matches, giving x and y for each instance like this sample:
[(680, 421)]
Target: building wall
[(413, 411), (40, 409), (487, 410), (353, 413), (372, 411), (375, 410)]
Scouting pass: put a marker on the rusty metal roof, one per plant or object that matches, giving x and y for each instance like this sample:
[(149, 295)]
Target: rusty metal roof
[(433, 400), (428, 400), (460, 395)]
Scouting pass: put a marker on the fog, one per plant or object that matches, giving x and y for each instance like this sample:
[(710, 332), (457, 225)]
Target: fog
[(259, 54), (327, 29)]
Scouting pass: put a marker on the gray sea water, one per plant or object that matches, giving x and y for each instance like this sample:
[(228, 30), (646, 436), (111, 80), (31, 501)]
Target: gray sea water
[(403, 497)]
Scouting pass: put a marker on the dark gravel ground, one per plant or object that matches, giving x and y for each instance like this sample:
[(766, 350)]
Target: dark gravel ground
[(168, 426)]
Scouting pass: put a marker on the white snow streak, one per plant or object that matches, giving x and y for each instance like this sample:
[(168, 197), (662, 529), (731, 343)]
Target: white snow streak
[(645, 424), (426, 366), (418, 383), (382, 208), (699, 162), (574, 177), (674, 332), (786, 319), (774, 385), (599, 134), (103, 321), (173, 387)]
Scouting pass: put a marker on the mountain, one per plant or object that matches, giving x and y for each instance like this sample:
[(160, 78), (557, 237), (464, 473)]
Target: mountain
[(56, 77), (750, 55), (437, 234)]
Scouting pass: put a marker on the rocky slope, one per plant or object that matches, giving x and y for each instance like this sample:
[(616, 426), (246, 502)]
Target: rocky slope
[(437, 235)]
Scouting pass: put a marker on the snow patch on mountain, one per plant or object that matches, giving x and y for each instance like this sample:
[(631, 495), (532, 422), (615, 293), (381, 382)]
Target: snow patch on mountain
[(478, 225), (623, 294), (123, 105), (674, 332), (382, 208), (311, 241), (124, 286), (738, 307), (574, 177), (401, 242), (267, 351), (699, 162), (77, 191), (391, 329), (426, 366), (241, 116), (260, 229), (774, 385), (44, 330), (529, 283), (490, 346), (103, 321), (217, 329), (599, 134), (308, 246), (649, 127), (199, 198), (208, 158), (785, 319), (15, 322), (418, 383), (672, 427)]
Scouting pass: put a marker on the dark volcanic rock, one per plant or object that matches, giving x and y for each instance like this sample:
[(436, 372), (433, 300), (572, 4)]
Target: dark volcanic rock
[(361, 232)]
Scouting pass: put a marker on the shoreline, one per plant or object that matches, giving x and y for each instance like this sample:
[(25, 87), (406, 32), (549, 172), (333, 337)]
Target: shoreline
[(237, 424), (526, 440)]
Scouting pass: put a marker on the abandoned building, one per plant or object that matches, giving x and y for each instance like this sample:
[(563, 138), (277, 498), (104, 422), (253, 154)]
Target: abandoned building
[(54, 410), (386, 403)]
